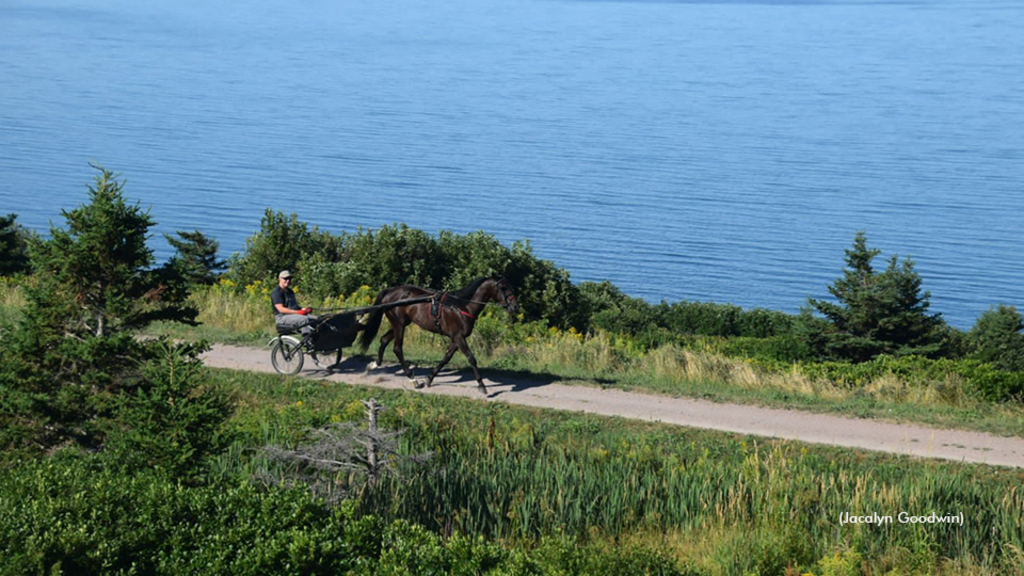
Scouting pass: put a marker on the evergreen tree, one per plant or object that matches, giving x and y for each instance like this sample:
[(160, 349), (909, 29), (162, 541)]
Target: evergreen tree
[(75, 347), (998, 337), (13, 246), (195, 257), (875, 312), (95, 276)]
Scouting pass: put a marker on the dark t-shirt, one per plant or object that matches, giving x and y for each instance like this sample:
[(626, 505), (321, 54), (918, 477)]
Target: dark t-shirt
[(286, 297)]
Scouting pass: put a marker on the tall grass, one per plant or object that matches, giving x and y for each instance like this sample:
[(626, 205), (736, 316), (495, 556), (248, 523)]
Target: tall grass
[(12, 300), (726, 504), (232, 314)]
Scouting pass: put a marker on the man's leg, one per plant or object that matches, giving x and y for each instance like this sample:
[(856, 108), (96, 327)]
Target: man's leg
[(294, 322), (311, 321)]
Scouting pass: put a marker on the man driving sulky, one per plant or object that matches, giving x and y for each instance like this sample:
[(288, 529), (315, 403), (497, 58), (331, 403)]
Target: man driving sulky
[(288, 316)]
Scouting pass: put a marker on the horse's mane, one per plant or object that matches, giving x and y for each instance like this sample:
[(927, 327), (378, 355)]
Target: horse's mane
[(467, 292)]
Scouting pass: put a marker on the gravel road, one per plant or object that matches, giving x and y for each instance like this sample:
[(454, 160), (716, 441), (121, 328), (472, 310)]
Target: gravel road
[(910, 439)]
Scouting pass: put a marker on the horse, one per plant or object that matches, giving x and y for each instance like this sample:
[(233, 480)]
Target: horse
[(450, 313)]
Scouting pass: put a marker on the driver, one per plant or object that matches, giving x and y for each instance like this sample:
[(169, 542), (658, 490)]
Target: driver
[(287, 314)]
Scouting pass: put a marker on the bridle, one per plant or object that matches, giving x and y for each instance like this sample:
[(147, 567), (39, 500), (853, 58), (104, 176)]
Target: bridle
[(509, 299)]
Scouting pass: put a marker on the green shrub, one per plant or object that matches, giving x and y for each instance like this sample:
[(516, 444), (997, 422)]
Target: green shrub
[(982, 379), (169, 421), (332, 266), (74, 348), (783, 349), (13, 246), (68, 515), (280, 244), (195, 257), (998, 338)]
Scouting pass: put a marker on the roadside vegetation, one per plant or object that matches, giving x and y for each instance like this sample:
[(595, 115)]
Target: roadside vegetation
[(874, 350), (124, 455)]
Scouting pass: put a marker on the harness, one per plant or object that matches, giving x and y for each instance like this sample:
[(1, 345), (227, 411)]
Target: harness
[(444, 299)]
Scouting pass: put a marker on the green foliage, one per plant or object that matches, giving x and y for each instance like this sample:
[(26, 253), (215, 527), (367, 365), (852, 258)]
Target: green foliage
[(94, 277), (169, 421), (519, 475), (66, 515), (331, 266), (53, 391), (392, 255), (998, 338), (711, 319), (610, 310), (875, 312), (280, 244), (74, 349), (13, 246), (775, 349), (980, 378), (195, 258)]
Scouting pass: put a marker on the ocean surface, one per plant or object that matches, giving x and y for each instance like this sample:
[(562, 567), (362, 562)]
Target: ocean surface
[(707, 150)]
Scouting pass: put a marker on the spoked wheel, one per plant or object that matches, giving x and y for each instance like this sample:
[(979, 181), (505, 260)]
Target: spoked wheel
[(323, 359), (286, 356)]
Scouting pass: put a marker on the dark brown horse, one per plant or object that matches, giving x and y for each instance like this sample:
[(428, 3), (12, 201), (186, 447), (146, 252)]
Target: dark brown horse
[(450, 313)]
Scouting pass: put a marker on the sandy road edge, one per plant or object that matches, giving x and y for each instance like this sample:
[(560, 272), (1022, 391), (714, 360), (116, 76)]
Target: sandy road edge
[(908, 439)]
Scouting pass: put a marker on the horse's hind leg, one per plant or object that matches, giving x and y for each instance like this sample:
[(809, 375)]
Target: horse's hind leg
[(464, 348), (384, 341), (399, 337), (447, 356)]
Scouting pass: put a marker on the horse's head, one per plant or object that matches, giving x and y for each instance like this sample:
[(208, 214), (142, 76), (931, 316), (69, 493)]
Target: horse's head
[(506, 295)]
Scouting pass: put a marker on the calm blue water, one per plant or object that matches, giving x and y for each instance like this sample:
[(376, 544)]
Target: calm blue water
[(700, 150)]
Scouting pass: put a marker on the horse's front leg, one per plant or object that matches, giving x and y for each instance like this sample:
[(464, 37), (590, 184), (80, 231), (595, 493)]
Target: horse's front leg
[(464, 348), (447, 356)]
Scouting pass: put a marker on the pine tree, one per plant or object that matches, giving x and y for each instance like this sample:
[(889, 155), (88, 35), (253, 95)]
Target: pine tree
[(195, 257), (75, 347), (875, 312), (95, 275), (13, 246)]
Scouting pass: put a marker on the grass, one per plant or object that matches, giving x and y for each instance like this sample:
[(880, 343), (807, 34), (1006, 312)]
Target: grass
[(719, 503), (229, 315)]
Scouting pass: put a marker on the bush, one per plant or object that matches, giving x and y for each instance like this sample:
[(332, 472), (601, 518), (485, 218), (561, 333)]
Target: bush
[(709, 319), (280, 244), (68, 515), (169, 421), (74, 348), (609, 310), (13, 246), (333, 266), (998, 338), (982, 380), (195, 257)]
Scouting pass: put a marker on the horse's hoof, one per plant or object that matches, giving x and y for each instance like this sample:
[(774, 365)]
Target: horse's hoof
[(416, 383), (482, 389), (372, 366)]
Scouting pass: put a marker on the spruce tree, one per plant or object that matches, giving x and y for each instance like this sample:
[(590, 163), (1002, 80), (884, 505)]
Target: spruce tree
[(13, 246), (875, 312), (75, 347), (195, 258)]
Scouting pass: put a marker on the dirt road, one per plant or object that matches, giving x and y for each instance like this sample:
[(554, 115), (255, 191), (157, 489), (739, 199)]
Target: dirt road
[(957, 445)]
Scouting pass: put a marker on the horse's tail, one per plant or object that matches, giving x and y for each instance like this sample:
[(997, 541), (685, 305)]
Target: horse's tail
[(373, 324)]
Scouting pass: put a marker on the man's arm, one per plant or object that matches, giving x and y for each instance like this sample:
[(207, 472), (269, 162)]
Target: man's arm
[(281, 308)]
